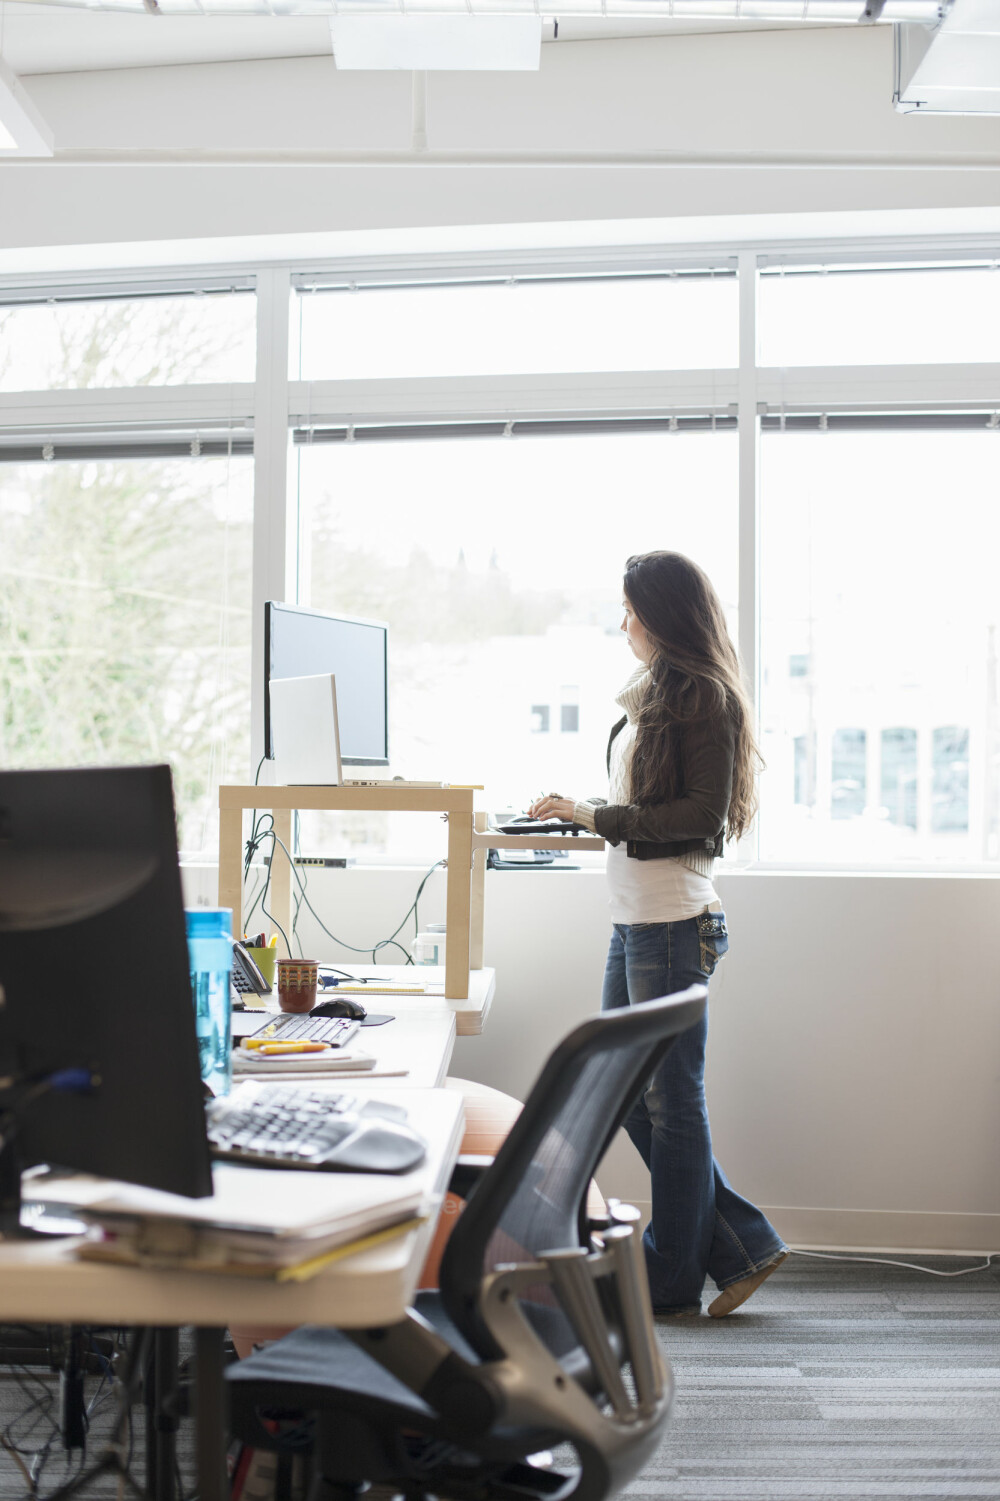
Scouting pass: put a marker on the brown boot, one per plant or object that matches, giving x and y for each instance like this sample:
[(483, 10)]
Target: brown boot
[(738, 1292)]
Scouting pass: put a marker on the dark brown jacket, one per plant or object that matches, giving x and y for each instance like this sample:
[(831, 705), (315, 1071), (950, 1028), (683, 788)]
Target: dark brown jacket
[(695, 820)]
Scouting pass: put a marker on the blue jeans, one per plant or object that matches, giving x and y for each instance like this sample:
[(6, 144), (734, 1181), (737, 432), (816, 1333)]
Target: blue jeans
[(700, 1226)]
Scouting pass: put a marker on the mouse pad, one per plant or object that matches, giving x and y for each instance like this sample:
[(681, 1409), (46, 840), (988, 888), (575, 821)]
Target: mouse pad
[(377, 1020)]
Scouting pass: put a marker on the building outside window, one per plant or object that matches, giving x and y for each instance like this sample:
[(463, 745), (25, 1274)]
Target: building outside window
[(878, 605), (899, 776)]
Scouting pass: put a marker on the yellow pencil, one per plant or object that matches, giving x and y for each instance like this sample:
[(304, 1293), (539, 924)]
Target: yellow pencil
[(303, 1270), (268, 1049)]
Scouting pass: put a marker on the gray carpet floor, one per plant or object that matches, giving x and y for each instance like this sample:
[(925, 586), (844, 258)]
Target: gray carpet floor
[(837, 1381)]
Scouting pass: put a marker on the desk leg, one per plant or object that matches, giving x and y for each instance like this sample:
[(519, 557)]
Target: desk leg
[(162, 1414), (456, 969), (211, 1437), (279, 898), (478, 897), (231, 864)]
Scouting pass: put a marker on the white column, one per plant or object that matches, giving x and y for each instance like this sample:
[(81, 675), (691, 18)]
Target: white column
[(275, 513)]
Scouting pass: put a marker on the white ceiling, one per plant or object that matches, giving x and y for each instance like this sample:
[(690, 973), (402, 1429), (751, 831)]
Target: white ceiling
[(39, 38)]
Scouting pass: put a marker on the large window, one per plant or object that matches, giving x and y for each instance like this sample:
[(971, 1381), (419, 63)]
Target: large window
[(126, 341), (516, 326), (126, 518), (125, 621), (880, 315), (469, 449), (879, 622), (497, 563)]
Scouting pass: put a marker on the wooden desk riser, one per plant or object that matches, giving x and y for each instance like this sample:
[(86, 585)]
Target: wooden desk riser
[(468, 841)]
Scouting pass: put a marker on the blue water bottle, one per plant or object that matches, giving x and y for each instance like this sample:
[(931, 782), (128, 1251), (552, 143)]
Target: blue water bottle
[(210, 946)]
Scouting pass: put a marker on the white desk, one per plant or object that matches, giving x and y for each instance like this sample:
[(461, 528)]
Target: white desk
[(43, 1282)]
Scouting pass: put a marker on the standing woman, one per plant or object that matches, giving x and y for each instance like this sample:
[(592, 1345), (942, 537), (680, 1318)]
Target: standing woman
[(681, 765)]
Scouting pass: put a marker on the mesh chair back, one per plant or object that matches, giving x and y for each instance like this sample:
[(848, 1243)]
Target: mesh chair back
[(533, 1197)]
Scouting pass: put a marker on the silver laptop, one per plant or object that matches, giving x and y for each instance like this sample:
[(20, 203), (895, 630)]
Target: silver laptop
[(305, 731)]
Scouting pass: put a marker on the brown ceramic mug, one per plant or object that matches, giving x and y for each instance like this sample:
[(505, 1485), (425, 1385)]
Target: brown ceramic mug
[(297, 981)]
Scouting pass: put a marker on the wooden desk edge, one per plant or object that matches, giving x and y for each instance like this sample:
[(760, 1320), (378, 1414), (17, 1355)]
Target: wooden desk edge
[(470, 1022), (364, 799)]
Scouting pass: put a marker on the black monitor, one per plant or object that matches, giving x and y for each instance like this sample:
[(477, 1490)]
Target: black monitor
[(301, 643), (95, 983)]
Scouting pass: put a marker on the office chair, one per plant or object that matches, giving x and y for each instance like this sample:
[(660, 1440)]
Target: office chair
[(541, 1332)]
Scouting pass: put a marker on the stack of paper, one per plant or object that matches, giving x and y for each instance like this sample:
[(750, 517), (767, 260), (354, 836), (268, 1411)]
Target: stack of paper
[(250, 1065), (258, 1222)]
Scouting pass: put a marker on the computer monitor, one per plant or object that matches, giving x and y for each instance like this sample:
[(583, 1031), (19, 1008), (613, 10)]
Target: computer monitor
[(302, 643), (94, 977)]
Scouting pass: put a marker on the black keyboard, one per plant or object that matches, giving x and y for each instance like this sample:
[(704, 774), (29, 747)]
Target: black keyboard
[(300, 1125), (541, 826), (289, 1027)]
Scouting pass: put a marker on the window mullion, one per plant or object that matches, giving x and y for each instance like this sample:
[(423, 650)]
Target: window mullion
[(274, 523), (749, 487)]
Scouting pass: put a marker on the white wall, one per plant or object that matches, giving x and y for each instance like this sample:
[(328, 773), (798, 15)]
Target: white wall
[(854, 1058), (758, 123)]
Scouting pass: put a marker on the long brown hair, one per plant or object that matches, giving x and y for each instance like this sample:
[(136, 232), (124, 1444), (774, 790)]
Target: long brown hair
[(695, 677)]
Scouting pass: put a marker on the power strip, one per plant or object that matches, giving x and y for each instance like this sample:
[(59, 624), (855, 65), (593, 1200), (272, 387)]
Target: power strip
[(324, 862)]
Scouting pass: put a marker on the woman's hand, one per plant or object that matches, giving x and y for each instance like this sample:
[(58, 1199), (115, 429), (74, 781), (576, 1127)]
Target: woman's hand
[(553, 806)]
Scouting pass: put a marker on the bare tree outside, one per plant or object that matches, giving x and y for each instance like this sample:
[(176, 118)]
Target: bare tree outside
[(152, 341), (125, 583)]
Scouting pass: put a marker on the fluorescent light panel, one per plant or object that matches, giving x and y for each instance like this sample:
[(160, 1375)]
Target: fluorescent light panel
[(954, 69), (23, 132), (436, 43)]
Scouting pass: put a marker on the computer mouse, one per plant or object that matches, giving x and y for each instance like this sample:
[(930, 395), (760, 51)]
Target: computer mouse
[(341, 1005)]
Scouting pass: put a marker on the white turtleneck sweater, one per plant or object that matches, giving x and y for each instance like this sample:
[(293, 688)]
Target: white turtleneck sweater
[(663, 890)]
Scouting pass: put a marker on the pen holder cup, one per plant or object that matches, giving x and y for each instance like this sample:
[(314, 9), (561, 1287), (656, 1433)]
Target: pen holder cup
[(265, 962), (297, 981)]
